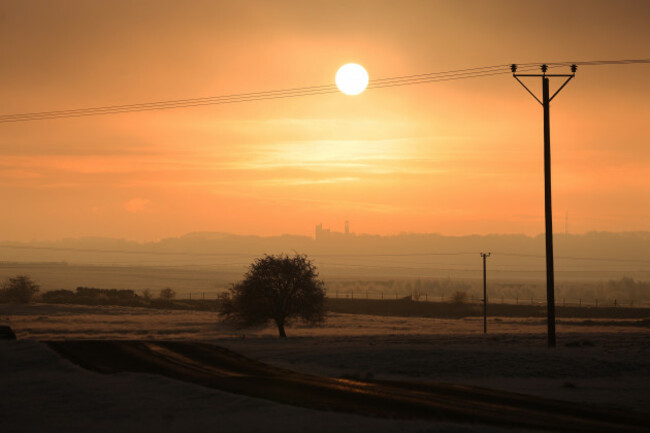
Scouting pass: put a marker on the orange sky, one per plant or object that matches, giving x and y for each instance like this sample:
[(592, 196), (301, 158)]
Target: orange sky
[(455, 158)]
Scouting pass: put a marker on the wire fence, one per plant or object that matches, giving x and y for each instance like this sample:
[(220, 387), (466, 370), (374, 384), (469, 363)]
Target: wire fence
[(471, 299)]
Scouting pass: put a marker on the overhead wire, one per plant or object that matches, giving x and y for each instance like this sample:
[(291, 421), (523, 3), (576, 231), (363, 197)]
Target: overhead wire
[(262, 95), (404, 80), (325, 255), (602, 62), (170, 104)]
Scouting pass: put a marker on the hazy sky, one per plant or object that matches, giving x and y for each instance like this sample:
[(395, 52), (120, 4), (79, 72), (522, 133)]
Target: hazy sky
[(457, 157)]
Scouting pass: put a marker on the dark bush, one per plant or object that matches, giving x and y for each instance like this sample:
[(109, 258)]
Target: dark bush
[(19, 289), (58, 296), (167, 294)]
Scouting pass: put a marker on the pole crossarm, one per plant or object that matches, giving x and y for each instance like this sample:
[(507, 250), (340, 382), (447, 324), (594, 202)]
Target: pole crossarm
[(544, 75), (527, 89), (561, 87), (567, 76)]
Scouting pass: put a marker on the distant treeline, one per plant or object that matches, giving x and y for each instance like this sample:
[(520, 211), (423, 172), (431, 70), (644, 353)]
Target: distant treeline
[(624, 291), (91, 295), (123, 297)]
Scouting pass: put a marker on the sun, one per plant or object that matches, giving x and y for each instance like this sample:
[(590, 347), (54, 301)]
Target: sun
[(351, 79)]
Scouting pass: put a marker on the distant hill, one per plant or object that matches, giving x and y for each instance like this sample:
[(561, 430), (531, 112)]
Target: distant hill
[(581, 256)]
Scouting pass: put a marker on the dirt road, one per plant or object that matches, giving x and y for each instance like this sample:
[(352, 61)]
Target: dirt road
[(216, 367)]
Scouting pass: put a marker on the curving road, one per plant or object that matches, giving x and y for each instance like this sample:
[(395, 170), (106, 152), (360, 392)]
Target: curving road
[(215, 367)]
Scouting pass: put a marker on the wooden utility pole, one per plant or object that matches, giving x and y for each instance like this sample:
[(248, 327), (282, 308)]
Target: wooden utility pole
[(548, 214), (485, 256)]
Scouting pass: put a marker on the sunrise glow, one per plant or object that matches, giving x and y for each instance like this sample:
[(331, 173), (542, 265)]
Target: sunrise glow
[(454, 156)]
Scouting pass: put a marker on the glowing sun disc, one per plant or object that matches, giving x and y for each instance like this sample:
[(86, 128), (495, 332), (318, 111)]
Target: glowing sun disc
[(351, 79)]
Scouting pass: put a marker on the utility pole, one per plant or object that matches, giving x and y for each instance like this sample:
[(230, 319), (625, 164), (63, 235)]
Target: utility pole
[(548, 214), (485, 256)]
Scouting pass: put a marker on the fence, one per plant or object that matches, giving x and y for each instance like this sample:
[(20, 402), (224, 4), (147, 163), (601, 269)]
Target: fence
[(522, 300), (472, 299)]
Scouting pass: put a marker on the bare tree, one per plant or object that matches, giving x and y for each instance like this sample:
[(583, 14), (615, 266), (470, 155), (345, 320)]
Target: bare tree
[(278, 289)]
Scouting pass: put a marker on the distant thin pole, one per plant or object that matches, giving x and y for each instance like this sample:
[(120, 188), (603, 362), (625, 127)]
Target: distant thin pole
[(566, 223), (485, 256)]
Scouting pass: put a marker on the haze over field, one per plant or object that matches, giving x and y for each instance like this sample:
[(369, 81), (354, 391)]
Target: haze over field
[(610, 267), (409, 253)]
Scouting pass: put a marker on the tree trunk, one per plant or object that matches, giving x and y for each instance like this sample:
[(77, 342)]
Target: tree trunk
[(281, 329)]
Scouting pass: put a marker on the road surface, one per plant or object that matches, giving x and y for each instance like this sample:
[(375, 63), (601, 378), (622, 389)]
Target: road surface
[(216, 367)]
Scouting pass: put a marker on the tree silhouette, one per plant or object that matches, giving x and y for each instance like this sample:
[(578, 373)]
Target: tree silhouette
[(276, 288), (20, 288), (167, 294)]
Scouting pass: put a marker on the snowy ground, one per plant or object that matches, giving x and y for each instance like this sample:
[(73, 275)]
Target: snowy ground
[(604, 363), (43, 393)]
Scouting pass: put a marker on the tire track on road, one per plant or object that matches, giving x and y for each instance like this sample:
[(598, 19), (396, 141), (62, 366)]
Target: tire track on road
[(219, 368)]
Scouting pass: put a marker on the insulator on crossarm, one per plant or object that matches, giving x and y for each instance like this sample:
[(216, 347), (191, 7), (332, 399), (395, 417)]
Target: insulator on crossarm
[(574, 68), (544, 68), (513, 68)]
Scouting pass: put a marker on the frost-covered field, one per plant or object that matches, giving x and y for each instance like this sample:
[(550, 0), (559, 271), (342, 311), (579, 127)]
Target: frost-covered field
[(53, 322), (603, 362)]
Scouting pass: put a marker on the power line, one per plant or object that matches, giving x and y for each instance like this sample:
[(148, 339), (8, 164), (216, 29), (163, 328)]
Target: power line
[(248, 97), (316, 255), (404, 80), (599, 62), (597, 259)]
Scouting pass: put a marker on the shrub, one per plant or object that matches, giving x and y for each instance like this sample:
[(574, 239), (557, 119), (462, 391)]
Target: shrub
[(167, 294), (58, 296), (19, 289), (459, 298)]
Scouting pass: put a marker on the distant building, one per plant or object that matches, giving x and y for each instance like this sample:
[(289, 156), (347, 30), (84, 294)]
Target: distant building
[(322, 234)]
